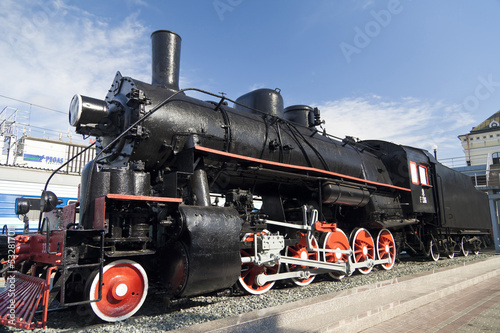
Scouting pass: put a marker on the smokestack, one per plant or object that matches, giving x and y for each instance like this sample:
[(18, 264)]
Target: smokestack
[(166, 53)]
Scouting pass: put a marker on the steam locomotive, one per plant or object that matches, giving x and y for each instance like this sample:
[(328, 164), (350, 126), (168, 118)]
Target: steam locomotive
[(196, 196)]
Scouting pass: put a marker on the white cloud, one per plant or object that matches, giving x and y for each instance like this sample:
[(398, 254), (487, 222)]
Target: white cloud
[(131, 3), (407, 121), (257, 85), (50, 51)]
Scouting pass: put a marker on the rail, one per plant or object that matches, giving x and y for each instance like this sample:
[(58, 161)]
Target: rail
[(483, 170)]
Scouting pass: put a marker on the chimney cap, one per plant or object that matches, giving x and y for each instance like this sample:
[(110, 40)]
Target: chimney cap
[(165, 31)]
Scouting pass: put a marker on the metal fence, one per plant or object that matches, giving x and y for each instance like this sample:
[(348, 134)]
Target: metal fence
[(480, 168)]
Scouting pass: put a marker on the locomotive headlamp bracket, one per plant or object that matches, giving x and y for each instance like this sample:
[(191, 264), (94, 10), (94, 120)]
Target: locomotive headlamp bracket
[(137, 97)]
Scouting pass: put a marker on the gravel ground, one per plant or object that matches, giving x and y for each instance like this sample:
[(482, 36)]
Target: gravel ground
[(157, 316)]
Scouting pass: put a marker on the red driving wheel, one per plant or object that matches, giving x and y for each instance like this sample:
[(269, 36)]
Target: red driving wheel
[(299, 250), (336, 240), (124, 290), (363, 248), (250, 271), (386, 246)]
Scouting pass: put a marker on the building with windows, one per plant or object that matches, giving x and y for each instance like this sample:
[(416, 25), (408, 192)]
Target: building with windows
[(482, 152), (27, 162)]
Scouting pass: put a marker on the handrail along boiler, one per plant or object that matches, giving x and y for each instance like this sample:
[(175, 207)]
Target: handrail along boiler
[(296, 201)]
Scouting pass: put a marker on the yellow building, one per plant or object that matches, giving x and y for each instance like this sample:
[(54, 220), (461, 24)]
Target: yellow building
[(482, 151)]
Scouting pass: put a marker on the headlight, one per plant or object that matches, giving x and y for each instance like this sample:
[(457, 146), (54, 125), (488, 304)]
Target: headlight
[(85, 110), (22, 206), (75, 110)]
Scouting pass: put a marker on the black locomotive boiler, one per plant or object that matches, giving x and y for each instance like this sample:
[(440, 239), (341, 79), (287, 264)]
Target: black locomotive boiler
[(196, 196)]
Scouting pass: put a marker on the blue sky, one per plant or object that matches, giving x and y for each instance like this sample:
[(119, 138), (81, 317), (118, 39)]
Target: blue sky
[(411, 72)]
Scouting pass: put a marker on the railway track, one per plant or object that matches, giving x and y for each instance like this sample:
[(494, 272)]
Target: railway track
[(159, 315)]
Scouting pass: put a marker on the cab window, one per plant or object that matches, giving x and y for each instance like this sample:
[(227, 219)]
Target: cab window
[(414, 173), (424, 175), (419, 174)]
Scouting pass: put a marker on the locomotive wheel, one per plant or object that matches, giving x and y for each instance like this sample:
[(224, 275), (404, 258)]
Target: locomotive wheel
[(434, 250), (249, 271), (464, 246), (363, 248), (451, 253), (124, 290), (452, 248), (299, 250), (336, 241), (476, 245), (386, 246)]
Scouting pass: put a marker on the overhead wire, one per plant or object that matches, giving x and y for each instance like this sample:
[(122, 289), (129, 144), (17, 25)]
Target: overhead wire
[(32, 104), (38, 106)]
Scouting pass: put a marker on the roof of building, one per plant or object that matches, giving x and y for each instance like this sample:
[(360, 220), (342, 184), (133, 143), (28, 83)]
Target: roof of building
[(490, 124)]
